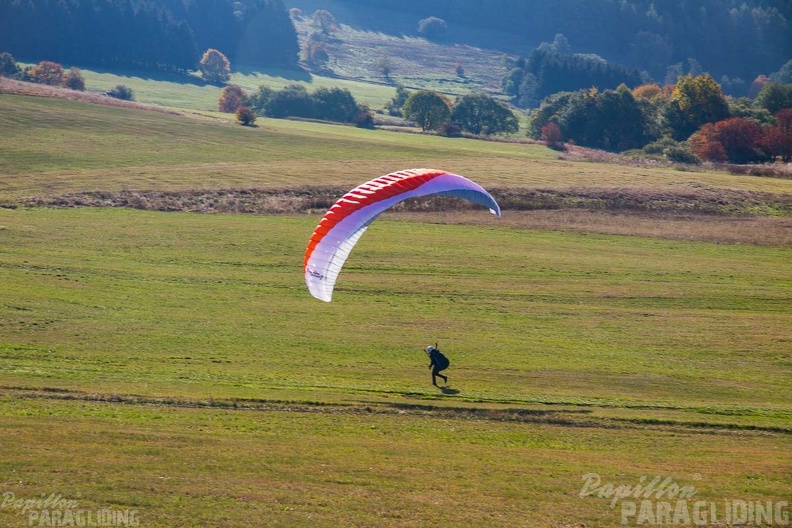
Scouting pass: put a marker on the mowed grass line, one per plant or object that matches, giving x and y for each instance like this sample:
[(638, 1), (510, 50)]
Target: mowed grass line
[(223, 467), (199, 306)]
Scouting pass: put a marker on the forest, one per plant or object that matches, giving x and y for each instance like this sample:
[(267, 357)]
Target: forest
[(737, 39), (162, 35)]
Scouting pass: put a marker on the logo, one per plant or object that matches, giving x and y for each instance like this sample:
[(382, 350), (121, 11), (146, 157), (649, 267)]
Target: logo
[(662, 502), (54, 510)]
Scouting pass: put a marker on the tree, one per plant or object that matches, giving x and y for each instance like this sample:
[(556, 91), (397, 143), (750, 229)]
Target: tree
[(744, 107), (651, 51), (315, 52), (334, 104), (395, 105), (231, 99), (74, 80), (705, 145), (331, 104), (694, 102), (740, 138), (774, 97), (647, 91), (481, 114), (245, 116), (293, 100), (775, 144), (784, 74), (324, 21), (432, 27), (547, 71), (47, 72), (736, 140), (215, 67), (549, 110), (8, 65), (611, 120), (622, 123), (551, 135), (561, 45), (757, 85), (428, 109), (259, 101), (384, 65), (777, 140)]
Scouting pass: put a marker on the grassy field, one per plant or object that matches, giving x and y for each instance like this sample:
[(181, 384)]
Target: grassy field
[(174, 365), (416, 63), (172, 92)]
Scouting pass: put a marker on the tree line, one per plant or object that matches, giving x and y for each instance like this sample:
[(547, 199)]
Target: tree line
[(553, 68), (326, 104), (163, 35), (689, 121), (477, 114)]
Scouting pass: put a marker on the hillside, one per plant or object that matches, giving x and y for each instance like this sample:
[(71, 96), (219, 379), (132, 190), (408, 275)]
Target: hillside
[(359, 46), (740, 39)]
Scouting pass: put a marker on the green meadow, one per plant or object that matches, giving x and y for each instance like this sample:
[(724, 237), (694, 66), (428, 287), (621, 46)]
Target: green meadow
[(174, 365), (176, 91)]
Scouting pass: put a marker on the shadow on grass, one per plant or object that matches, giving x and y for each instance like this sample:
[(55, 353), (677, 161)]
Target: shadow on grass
[(448, 390)]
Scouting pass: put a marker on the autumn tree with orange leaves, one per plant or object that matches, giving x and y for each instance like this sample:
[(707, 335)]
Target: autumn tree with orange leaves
[(231, 99)]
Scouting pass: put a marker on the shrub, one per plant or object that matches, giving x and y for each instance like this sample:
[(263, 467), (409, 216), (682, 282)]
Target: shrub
[(121, 92), (47, 72), (74, 80), (8, 65), (450, 129), (551, 135), (245, 116), (364, 118), (679, 154)]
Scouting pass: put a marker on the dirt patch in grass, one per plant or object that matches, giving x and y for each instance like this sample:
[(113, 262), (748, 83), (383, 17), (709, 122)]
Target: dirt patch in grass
[(721, 202), (712, 215), (710, 201)]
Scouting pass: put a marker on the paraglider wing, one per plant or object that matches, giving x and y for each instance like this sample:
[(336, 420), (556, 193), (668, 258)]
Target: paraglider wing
[(347, 220)]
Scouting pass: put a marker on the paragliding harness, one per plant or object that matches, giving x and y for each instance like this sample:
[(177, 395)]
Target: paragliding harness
[(438, 359), (438, 362)]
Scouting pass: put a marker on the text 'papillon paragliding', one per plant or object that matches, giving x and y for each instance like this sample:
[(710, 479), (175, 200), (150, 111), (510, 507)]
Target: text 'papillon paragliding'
[(345, 222)]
